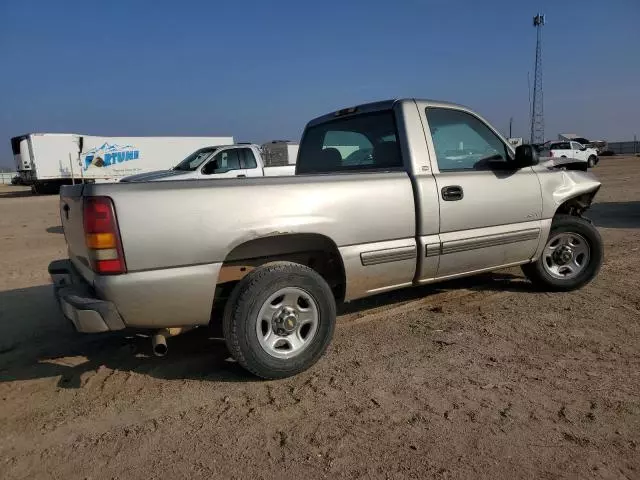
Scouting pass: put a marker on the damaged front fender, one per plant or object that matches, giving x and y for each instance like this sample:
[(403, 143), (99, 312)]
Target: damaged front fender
[(566, 191)]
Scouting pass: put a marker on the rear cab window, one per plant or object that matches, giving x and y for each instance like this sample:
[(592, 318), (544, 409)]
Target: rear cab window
[(361, 142), (247, 159)]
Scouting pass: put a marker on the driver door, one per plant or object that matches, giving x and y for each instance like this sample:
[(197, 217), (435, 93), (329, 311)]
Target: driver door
[(224, 164), (578, 152), (490, 213)]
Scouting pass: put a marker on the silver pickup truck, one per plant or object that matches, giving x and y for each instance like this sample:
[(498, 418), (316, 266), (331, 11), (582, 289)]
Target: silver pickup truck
[(386, 195)]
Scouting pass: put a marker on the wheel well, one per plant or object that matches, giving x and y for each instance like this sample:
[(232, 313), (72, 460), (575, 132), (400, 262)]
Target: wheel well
[(313, 250), (576, 205)]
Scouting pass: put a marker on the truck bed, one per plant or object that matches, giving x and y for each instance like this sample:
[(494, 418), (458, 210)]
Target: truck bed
[(172, 224), (186, 229)]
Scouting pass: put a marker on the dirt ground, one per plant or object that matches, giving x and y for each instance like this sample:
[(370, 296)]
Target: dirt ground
[(481, 378)]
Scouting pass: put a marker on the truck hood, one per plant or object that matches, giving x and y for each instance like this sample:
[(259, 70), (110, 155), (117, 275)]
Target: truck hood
[(158, 175)]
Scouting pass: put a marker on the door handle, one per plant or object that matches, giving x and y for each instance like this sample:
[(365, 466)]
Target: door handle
[(241, 176), (452, 193)]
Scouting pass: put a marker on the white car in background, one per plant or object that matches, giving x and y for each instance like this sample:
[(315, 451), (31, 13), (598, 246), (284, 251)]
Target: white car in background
[(575, 150)]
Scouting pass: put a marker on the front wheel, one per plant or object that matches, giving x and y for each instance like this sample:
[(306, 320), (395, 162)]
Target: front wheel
[(571, 257), (279, 320), (592, 161)]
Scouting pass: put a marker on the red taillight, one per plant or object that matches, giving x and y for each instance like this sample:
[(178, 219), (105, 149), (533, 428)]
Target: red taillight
[(98, 215), (102, 236), (110, 267)]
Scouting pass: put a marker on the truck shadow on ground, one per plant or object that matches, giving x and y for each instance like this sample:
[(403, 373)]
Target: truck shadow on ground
[(37, 342), (493, 281), (16, 194), (615, 214)]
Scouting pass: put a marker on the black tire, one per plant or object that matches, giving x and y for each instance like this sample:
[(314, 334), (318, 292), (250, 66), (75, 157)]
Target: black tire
[(591, 161), (243, 307), (536, 272)]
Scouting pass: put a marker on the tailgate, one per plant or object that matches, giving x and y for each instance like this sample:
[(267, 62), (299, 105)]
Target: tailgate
[(71, 206)]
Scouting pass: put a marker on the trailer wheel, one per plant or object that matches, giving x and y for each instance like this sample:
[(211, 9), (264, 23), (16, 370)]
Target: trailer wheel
[(279, 320)]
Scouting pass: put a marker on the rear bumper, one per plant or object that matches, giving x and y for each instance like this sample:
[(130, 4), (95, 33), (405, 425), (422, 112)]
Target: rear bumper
[(78, 302)]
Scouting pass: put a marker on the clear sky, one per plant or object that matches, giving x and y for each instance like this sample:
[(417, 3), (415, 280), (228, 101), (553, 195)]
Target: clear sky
[(259, 70)]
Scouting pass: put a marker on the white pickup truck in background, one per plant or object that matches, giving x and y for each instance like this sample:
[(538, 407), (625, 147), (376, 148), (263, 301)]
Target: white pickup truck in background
[(218, 161), (45, 161), (574, 150)]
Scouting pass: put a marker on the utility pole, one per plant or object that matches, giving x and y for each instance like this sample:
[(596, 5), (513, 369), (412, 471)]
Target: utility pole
[(537, 108), (510, 126)]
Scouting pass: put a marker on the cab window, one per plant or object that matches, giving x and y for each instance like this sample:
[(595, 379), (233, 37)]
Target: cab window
[(222, 162), (368, 141), (463, 142)]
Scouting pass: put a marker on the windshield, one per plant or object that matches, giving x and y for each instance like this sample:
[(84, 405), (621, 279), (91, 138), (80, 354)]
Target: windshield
[(196, 159)]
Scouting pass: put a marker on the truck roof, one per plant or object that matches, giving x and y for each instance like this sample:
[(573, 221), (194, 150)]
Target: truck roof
[(381, 105)]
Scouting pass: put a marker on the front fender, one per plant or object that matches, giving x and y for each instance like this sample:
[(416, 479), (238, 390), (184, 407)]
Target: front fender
[(559, 186)]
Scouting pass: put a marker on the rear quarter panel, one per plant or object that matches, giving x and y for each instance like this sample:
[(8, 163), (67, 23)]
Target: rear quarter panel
[(174, 224), (176, 235)]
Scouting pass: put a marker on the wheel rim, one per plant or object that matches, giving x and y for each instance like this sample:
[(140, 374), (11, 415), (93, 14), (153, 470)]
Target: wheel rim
[(566, 255), (287, 322)]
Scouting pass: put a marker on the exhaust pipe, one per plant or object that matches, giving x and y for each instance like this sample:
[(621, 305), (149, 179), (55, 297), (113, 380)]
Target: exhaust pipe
[(159, 343), (159, 339)]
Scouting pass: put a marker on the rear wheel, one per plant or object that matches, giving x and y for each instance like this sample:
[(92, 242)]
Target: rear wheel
[(571, 257), (279, 320)]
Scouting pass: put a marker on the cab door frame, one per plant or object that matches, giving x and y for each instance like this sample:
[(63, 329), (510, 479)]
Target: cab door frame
[(497, 219)]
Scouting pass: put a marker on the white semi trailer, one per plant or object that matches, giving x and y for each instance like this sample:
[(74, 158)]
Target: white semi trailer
[(48, 160)]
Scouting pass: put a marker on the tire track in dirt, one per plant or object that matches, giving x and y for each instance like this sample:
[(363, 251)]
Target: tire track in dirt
[(432, 301)]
